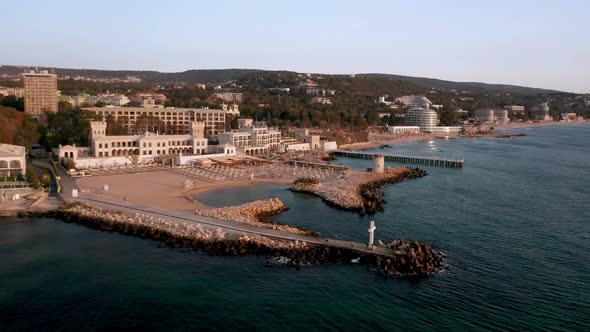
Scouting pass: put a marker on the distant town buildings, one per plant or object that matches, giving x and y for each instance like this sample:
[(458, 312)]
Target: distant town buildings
[(541, 112), (491, 116), (569, 116), (148, 99), (321, 100), (40, 92), (515, 109), (485, 115), (501, 116), (414, 101), (228, 97), (12, 160), (17, 92), (85, 100), (310, 87), (286, 90)]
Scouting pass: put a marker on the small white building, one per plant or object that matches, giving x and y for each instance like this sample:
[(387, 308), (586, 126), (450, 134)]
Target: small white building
[(403, 129), (328, 145), (447, 129), (297, 147), (13, 160)]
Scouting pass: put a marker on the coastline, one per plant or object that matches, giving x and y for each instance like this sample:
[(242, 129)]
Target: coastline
[(387, 140)]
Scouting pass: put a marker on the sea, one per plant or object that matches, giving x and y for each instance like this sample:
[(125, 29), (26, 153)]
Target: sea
[(514, 224)]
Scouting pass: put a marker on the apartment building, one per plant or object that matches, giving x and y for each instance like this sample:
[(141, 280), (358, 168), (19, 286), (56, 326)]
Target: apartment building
[(40, 92)]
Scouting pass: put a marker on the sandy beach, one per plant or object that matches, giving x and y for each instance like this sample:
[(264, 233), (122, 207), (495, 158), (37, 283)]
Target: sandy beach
[(163, 189)]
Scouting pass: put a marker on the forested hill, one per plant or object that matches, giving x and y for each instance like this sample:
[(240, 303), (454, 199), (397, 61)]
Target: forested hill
[(221, 75), (476, 87)]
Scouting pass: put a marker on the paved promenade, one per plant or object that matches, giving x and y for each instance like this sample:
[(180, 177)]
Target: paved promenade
[(229, 226)]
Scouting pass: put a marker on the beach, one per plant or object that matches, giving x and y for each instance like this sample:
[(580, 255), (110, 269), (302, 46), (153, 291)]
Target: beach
[(163, 189)]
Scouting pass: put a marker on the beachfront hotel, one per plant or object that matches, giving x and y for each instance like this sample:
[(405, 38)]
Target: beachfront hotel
[(424, 118), (179, 118), (252, 138), (485, 115), (107, 151)]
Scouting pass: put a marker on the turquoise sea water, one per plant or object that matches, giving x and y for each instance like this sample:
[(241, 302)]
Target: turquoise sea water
[(514, 223)]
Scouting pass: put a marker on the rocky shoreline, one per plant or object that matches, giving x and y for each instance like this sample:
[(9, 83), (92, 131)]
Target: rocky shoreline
[(253, 213), (411, 259), (357, 190)]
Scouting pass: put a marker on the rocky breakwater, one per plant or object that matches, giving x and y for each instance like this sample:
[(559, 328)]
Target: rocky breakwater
[(180, 234), (253, 213), (411, 258), (357, 190)]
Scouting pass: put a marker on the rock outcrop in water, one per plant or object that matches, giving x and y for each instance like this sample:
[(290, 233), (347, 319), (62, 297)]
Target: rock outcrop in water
[(357, 190), (412, 258), (253, 213)]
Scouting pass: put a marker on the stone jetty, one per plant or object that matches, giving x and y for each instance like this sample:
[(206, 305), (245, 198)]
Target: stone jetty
[(253, 213), (410, 258), (357, 190)]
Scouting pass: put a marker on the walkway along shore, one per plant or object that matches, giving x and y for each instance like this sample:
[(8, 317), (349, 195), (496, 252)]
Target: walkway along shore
[(398, 258), (358, 191)]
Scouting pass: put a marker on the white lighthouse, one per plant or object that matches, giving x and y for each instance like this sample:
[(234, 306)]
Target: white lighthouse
[(372, 229)]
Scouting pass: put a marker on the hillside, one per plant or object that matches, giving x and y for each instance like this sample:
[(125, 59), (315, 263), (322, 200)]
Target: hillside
[(221, 75), (475, 87)]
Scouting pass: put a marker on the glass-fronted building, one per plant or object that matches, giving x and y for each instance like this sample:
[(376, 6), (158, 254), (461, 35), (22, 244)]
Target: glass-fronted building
[(424, 118)]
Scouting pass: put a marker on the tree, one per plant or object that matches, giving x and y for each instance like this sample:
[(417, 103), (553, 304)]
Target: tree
[(12, 101), (449, 118)]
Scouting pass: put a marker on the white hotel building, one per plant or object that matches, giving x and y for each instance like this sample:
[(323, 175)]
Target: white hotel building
[(252, 138), (107, 151)]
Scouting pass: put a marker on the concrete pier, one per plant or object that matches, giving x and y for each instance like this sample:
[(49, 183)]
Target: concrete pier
[(426, 161)]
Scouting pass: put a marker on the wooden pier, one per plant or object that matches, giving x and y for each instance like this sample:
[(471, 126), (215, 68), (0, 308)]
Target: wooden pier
[(437, 162)]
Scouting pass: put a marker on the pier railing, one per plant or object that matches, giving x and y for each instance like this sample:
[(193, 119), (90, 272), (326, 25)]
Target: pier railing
[(426, 161)]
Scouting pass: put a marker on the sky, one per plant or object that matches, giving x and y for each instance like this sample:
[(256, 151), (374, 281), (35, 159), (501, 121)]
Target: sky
[(544, 44)]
